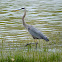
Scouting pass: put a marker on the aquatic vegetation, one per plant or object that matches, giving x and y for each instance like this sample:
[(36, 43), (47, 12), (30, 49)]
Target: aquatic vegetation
[(31, 55), (14, 52)]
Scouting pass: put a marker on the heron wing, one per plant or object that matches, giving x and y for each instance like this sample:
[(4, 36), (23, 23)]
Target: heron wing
[(36, 33)]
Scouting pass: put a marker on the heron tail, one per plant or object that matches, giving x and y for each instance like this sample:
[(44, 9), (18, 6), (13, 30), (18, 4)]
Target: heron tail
[(45, 38)]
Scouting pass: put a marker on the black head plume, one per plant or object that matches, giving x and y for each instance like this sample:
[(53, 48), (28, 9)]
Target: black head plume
[(22, 8)]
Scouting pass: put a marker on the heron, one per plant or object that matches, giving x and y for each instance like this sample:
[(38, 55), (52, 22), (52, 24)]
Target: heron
[(35, 33)]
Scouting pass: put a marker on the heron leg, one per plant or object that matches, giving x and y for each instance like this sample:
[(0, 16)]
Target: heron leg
[(32, 43), (28, 44), (36, 45)]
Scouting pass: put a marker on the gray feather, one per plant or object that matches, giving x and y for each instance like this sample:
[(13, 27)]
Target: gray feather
[(36, 34)]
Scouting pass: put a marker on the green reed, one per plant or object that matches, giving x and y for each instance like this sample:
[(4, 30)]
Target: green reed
[(32, 56), (29, 54)]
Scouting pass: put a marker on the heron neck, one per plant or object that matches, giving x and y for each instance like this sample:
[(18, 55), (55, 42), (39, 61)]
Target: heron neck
[(23, 19)]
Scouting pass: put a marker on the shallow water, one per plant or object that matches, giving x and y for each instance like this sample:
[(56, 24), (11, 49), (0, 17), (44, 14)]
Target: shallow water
[(46, 15)]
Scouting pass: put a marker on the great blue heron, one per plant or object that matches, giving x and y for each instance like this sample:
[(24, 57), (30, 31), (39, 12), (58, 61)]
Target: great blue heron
[(36, 34)]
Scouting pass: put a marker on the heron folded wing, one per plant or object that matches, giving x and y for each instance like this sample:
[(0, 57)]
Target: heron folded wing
[(36, 33)]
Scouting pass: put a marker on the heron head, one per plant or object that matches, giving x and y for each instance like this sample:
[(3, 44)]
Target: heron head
[(22, 8), (19, 9)]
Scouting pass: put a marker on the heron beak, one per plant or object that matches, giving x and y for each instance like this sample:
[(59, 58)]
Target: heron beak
[(17, 10)]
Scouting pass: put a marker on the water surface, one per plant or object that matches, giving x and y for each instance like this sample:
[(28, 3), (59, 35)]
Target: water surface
[(46, 15)]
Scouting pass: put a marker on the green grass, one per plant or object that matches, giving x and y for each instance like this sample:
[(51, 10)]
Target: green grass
[(29, 53), (31, 56)]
